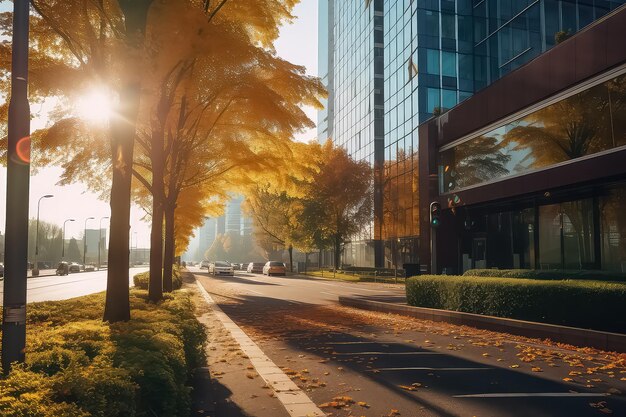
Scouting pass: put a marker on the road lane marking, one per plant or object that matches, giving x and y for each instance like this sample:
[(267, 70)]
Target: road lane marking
[(423, 368), (295, 401), (533, 394), (253, 291), (387, 353), (329, 293)]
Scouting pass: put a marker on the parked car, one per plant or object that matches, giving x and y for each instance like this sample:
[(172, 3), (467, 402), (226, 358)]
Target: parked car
[(63, 268), (204, 264), (90, 268), (221, 268), (255, 267), (74, 267), (274, 268)]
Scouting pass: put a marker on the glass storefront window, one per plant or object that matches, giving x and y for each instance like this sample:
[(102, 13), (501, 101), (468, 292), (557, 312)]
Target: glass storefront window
[(613, 225), (585, 123)]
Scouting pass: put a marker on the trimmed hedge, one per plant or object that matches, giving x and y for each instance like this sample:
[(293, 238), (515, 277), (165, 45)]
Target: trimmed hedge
[(142, 280), (547, 274), (76, 365), (587, 304)]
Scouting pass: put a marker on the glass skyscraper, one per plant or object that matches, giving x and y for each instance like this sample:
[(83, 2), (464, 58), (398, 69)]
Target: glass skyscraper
[(391, 65)]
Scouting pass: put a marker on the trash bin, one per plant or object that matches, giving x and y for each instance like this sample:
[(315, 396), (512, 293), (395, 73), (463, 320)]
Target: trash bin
[(411, 270)]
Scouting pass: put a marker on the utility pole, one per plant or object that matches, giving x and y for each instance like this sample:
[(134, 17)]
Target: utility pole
[(18, 184)]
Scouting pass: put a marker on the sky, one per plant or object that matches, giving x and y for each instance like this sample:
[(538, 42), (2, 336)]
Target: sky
[(297, 44)]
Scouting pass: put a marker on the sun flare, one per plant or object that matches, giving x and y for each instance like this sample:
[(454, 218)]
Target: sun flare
[(95, 106)]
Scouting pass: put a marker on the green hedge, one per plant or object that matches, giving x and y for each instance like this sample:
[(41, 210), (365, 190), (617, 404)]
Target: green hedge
[(143, 279), (76, 365), (547, 274), (587, 304)]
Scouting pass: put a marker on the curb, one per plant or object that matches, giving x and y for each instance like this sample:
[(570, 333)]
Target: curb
[(571, 335)]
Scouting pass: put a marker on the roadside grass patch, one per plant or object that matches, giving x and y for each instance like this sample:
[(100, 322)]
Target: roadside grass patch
[(76, 365), (588, 304), (142, 280)]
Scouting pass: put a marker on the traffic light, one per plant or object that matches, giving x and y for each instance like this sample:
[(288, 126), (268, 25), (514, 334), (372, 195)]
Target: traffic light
[(435, 212)]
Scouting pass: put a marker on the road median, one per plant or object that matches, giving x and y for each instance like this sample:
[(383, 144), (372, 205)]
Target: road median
[(571, 335)]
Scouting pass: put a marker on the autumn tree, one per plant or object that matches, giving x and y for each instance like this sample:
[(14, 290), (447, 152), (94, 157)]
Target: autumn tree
[(81, 43), (339, 198)]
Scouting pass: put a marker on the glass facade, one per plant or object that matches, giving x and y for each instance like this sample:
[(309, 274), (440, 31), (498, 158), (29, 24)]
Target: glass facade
[(585, 231), (358, 105), (584, 123), (396, 63)]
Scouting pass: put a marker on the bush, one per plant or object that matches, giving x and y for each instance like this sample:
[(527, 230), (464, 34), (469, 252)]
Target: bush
[(142, 280), (547, 274), (587, 304), (76, 365)]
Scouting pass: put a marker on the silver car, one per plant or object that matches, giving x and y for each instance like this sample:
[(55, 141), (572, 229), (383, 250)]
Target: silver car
[(221, 268)]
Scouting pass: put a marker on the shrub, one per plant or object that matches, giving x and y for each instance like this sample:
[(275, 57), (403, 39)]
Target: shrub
[(588, 304), (142, 280), (76, 365), (547, 274)]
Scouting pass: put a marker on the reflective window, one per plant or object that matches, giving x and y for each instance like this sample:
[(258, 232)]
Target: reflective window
[(448, 64), (433, 100), (588, 122), (613, 225), (432, 61)]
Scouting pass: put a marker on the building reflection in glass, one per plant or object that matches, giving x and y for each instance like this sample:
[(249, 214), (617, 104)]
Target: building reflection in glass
[(585, 123)]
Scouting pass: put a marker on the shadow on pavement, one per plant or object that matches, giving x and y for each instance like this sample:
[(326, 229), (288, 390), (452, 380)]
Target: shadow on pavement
[(328, 334), (212, 399)]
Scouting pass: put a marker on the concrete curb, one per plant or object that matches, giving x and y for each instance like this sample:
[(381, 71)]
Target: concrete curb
[(571, 335)]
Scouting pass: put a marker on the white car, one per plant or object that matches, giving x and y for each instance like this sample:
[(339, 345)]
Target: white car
[(204, 264), (221, 268)]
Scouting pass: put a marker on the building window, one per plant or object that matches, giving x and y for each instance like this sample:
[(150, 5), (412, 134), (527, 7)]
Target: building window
[(448, 64), (432, 61), (433, 100)]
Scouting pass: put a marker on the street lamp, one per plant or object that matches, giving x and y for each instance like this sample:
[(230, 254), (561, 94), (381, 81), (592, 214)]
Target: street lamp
[(63, 237), (100, 240), (35, 266), (85, 241)]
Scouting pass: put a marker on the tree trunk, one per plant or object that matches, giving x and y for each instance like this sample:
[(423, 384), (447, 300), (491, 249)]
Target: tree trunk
[(117, 304), (337, 249), (170, 248), (155, 286), (290, 250)]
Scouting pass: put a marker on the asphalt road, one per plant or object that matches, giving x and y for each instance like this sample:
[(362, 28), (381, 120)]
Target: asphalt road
[(51, 288), (352, 362)]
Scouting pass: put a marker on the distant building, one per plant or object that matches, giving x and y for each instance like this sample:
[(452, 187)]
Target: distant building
[(93, 235)]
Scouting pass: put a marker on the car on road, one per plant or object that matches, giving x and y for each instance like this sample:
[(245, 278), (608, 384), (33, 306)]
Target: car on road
[(274, 268), (63, 269), (221, 268), (204, 264), (75, 267), (255, 267), (90, 268)]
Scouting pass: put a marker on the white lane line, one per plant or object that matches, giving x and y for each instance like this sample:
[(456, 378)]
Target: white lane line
[(387, 353), (295, 401), (329, 293), (422, 368), (253, 291), (533, 394)]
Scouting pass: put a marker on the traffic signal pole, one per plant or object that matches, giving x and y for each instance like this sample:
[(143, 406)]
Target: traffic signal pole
[(18, 181), (435, 211)]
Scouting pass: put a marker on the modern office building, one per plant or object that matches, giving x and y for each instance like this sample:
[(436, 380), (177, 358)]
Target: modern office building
[(531, 170), (435, 55)]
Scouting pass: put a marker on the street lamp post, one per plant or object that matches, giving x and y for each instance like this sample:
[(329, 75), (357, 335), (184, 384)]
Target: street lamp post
[(36, 266), (18, 184), (63, 237), (100, 240), (85, 241)]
